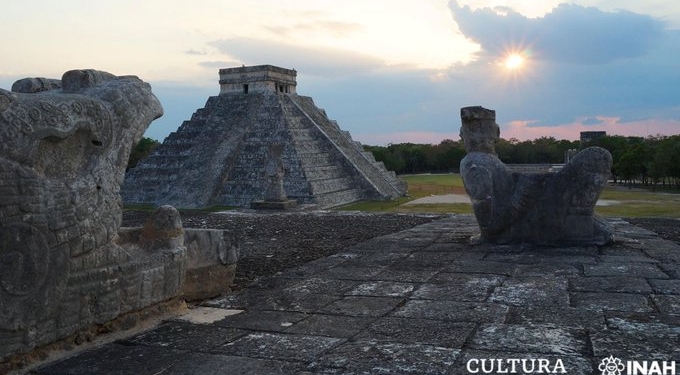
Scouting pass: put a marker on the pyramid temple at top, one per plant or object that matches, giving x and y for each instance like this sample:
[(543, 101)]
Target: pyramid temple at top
[(218, 156)]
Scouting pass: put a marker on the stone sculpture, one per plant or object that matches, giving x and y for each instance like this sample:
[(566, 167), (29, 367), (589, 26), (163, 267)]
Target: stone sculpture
[(542, 208), (64, 145), (65, 263)]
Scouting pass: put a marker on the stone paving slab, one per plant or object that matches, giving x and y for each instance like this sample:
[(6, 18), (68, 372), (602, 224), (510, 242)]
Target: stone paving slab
[(425, 301), (539, 338), (340, 326), (558, 316), (281, 346), (454, 311), (459, 287), (423, 331), (184, 336), (531, 292), (371, 357)]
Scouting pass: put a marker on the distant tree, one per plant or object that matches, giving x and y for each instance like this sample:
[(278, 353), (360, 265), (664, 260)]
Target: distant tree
[(448, 156), (141, 150), (617, 146), (670, 151)]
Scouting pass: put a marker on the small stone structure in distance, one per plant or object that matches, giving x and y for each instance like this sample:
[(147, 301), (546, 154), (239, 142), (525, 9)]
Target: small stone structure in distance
[(65, 263), (218, 157), (549, 208)]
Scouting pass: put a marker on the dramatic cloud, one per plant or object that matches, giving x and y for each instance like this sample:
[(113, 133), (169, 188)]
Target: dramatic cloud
[(312, 61), (569, 34), (386, 70)]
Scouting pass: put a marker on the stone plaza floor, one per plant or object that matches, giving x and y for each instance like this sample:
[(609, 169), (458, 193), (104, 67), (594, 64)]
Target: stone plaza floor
[(425, 301)]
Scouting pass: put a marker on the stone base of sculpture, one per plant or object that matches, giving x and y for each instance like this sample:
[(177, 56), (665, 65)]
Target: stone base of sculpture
[(540, 208)]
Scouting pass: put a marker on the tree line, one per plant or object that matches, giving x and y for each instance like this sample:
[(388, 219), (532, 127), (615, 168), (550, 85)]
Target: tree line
[(648, 161)]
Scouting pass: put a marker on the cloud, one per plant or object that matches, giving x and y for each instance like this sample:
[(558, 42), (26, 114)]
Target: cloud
[(324, 26), (195, 52), (627, 87), (568, 34), (313, 61), (218, 64), (591, 121)]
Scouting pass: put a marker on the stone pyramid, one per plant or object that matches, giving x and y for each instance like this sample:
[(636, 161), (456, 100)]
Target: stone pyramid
[(218, 156)]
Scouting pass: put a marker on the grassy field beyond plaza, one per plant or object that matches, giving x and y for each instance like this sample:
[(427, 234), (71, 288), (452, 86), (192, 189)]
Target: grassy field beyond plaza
[(615, 200)]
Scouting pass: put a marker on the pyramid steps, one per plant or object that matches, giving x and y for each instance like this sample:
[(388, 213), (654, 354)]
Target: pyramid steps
[(384, 183), (331, 178)]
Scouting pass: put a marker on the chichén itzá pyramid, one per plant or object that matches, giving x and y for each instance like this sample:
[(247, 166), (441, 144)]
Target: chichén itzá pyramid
[(218, 156)]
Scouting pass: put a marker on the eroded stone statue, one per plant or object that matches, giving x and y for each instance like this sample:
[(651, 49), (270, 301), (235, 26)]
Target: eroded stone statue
[(541, 208), (65, 263), (64, 145)]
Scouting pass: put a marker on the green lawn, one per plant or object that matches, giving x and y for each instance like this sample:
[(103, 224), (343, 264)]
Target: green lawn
[(639, 203), (631, 202)]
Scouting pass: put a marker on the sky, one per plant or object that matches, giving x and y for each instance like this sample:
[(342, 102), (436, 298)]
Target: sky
[(388, 71)]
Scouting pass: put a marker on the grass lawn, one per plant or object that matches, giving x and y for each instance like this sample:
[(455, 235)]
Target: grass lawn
[(639, 203), (631, 202)]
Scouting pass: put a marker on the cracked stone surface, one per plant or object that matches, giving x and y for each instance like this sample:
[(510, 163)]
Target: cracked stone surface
[(426, 301)]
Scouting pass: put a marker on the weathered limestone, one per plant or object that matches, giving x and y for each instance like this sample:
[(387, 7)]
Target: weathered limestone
[(543, 208), (212, 255), (33, 85), (219, 156), (65, 264), (208, 256), (63, 154), (62, 159)]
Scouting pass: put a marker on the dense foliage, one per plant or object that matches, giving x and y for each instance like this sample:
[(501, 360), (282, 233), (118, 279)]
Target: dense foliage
[(649, 161), (141, 150)]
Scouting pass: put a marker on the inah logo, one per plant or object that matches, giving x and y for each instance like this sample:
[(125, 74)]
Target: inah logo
[(611, 366), (614, 366)]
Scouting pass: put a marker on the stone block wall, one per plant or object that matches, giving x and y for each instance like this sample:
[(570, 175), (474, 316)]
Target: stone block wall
[(211, 262)]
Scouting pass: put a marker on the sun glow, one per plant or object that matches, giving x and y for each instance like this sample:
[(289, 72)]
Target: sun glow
[(515, 65), (513, 61)]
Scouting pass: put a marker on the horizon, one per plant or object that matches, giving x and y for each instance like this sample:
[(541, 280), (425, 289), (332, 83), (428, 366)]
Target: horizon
[(388, 71)]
